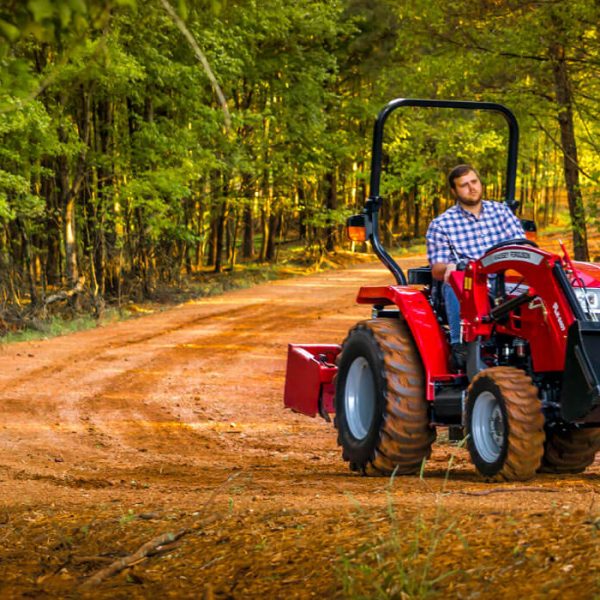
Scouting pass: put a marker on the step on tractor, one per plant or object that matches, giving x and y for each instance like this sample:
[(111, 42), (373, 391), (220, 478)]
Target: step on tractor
[(528, 398)]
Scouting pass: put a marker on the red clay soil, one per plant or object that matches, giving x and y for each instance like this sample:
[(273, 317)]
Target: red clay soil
[(173, 424)]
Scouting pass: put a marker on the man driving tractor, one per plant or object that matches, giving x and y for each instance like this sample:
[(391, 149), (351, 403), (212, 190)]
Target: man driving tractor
[(527, 400), (464, 232)]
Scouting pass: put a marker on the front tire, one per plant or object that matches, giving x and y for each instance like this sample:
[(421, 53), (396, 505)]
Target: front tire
[(505, 424), (569, 450), (381, 412)]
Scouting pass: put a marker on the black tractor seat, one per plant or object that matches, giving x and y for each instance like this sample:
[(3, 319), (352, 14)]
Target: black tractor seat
[(420, 276)]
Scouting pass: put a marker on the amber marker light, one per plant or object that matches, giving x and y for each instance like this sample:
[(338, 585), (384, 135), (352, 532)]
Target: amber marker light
[(356, 228), (357, 234)]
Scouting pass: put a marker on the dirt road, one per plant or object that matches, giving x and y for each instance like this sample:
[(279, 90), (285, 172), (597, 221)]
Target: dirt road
[(173, 423)]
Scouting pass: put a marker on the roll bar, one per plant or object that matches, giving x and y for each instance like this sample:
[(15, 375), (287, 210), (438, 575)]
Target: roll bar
[(374, 201)]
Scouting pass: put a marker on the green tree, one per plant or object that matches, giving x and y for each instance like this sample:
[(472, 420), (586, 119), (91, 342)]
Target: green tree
[(537, 57)]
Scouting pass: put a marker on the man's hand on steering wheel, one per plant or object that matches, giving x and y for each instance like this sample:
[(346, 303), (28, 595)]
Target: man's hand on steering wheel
[(449, 268), (459, 266), (512, 242)]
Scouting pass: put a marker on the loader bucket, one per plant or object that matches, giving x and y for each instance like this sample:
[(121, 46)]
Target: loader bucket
[(309, 387), (580, 390)]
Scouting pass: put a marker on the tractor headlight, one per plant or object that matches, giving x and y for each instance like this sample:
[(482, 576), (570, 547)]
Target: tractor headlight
[(589, 299)]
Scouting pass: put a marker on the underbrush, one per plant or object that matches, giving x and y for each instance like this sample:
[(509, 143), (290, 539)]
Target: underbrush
[(27, 323), (23, 323)]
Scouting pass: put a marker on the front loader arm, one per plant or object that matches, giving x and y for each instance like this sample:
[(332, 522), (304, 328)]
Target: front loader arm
[(542, 317)]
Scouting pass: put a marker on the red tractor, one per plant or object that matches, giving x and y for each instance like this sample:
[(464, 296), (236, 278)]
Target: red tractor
[(529, 397)]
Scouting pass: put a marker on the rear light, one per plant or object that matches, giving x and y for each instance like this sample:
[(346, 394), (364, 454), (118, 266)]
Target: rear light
[(356, 228)]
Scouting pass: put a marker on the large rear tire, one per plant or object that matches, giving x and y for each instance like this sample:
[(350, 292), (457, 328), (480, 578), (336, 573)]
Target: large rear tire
[(569, 450), (381, 411), (505, 424)]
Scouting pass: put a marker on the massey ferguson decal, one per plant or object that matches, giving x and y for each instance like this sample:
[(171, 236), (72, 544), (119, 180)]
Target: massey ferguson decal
[(521, 255)]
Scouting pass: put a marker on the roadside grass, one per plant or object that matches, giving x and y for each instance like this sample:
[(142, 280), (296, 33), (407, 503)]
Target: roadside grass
[(398, 559), (395, 562), (59, 325)]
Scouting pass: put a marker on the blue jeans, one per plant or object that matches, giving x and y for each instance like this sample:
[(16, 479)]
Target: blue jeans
[(452, 312)]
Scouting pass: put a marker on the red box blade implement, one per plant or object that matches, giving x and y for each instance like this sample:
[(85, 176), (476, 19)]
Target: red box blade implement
[(309, 387)]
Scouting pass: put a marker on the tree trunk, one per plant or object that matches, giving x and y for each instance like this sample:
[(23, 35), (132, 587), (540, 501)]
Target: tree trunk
[(53, 265), (141, 259), (233, 233), (534, 184), (220, 234), (274, 223), (569, 148), (27, 255), (68, 206), (436, 205), (302, 211), (106, 239), (410, 209), (546, 220), (523, 191), (220, 226), (248, 218), (199, 250), (413, 213), (417, 215), (331, 204), (265, 215)]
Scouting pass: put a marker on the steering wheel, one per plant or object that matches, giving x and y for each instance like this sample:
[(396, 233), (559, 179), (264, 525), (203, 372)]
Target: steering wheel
[(513, 242)]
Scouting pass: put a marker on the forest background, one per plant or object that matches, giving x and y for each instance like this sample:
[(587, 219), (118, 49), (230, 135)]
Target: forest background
[(126, 163)]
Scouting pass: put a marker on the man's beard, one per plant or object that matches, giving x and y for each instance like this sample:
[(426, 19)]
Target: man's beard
[(470, 201)]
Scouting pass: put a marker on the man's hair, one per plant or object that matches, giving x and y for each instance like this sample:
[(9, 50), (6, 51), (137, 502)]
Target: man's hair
[(459, 171)]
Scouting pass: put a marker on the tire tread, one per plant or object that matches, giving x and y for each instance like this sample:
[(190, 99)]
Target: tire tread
[(570, 451), (525, 423), (405, 436)]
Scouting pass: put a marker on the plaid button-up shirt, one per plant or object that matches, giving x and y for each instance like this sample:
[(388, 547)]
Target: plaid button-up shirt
[(459, 235)]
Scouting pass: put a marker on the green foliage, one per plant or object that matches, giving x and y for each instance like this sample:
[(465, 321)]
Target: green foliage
[(48, 20), (26, 137), (117, 165), (400, 561)]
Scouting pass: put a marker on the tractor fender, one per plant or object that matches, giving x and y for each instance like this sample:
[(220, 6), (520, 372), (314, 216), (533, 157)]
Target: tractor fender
[(423, 324)]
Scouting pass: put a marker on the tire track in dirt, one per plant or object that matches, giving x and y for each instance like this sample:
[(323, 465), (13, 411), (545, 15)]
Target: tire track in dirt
[(121, 395)]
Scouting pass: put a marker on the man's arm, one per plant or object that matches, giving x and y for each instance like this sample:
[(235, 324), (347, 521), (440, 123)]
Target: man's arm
[(514, 228), (441, 271), (439, 253)]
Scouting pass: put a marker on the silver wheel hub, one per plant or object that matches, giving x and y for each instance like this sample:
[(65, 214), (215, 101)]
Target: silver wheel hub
[(487, 427), (359, 398)]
